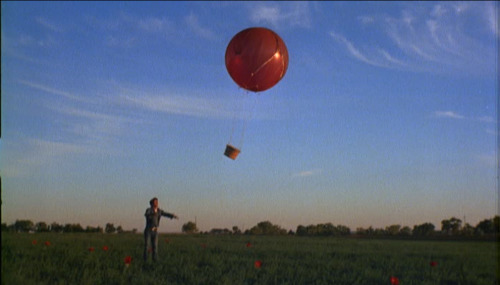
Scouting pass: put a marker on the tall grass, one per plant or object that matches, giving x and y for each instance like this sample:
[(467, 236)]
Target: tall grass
[(231, 260)]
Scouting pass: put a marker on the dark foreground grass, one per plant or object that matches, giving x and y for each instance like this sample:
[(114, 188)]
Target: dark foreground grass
[(69, 259)]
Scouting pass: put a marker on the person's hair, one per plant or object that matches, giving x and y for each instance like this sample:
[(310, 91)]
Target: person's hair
[(152, 201)]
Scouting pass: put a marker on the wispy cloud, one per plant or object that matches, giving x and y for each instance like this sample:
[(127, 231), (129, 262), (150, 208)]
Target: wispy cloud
[(152, 24), (486, 119), (193, 23), (32, 153), (85, 120), (45, 149), (491, 12), (195, 104), (307, 173), (128, 31), (93, 126), (366, 19), (448, 114), (390, 58), (13, 47), (266, 14), (295, 14), (179, 105), (457, 116), (49, 25), (26, 154), (51, 90), (429, 40), (150, 27), (355, 52)]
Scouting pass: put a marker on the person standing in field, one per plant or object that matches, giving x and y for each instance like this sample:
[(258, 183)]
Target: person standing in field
[(153, 215)]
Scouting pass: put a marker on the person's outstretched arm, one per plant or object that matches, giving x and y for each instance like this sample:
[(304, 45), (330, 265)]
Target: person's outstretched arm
[(168, 215)]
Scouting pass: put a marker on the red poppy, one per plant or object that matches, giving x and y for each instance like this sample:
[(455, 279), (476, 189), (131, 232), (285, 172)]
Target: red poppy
[(166, 240), (394, 280), (34, 242), (204, 245), (433, 264), (105, 248), (257, 264), (128, 260), (150, 249), (47, 243), (91, 249), (249, 244)]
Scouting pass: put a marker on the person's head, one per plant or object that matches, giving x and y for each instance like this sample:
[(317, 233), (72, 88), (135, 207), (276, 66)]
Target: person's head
[(154, 202)]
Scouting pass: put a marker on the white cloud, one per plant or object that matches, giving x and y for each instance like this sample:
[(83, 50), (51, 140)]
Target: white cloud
[(84, 120), (448, 114), (295, 14), (153, 25), (486, 119), (192, 103), (437, 39), (456, 116), (266, 14), (92, 125), (44, 150), (391, 58), (352, 49), (491, 12), (49, 25), (365, 20), (460, 7), (26, 154), (129, 31), (306, 173), (52, 90), (438, 11), (179, 105), (193, 23)]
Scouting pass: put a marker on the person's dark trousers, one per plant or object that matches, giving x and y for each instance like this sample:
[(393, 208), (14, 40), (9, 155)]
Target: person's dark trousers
[(150, 238)]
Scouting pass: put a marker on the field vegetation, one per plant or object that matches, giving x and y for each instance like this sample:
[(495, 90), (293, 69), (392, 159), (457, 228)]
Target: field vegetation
[(99, 258)]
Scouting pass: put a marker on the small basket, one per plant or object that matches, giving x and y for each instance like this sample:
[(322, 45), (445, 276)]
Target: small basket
[(231, 152)]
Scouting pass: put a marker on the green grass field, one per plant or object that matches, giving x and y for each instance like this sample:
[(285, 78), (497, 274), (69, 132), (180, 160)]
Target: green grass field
[(231, 260)]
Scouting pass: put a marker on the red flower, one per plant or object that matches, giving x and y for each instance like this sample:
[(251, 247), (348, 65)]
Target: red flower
[(204, 245), (257, 264), (91, 249), (128, 260), (394, 280), (166, 240), (34, 242), (150, 249), (433, 264), (249, 244), (47, 243), (105, 248)]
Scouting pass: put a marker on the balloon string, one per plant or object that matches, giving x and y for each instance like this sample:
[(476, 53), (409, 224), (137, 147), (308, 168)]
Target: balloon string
[(236, 118), (248, 118), (233, 127)]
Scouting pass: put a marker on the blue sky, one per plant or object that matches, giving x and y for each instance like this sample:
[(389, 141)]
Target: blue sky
[(387, 114)]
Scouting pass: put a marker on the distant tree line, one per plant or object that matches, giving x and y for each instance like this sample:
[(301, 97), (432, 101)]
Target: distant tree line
[(40, 227), (449, 227)]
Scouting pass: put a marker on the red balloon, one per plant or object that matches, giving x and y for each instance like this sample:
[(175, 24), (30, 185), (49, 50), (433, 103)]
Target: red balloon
[(256, 59)]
